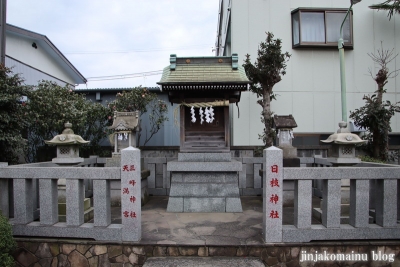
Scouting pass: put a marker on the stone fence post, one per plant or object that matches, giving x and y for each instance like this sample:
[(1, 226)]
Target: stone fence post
[(272, 195), (131, 212)]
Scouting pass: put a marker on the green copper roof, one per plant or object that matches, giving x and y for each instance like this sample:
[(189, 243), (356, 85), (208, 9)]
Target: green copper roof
[(203, 70)]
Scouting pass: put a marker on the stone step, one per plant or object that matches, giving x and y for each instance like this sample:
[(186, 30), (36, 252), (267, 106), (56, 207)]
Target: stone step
[(203, 262), (204, 138), (201, 177), (205, 133), (344, 217), (179, 166), (207, 157), (205, 144), (88, 213), (204, 190), (62, 207), (204, 204)]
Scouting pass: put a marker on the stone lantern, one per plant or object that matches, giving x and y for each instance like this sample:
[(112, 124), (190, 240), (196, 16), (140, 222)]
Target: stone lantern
[(125, 125), (343, 149), (67, 146), (68, 154), (284, 125)]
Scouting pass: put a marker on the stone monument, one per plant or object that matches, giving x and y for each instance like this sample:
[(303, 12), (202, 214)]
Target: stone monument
[(284, 126), (125, 126)]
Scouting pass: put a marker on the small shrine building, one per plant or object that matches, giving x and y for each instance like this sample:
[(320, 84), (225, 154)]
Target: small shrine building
[(205, 177), (204, 87)]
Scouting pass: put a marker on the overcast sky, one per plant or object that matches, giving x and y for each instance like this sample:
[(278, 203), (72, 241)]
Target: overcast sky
[(107, 38)]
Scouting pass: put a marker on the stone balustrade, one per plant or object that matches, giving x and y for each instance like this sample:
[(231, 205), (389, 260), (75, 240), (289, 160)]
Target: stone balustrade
[(385, 197), (24, 177), (377, 183)]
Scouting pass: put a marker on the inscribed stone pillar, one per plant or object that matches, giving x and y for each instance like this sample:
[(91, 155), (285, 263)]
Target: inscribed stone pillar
[(272, 195), (130, 194)]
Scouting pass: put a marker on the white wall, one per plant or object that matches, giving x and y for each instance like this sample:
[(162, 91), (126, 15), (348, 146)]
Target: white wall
[(311, 88), (21, 49)]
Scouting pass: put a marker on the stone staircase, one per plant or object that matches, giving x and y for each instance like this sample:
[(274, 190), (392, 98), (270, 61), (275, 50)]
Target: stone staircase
[(204, 182)]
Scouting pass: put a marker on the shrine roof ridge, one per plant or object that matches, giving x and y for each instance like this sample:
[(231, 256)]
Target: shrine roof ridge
[(204, 70)]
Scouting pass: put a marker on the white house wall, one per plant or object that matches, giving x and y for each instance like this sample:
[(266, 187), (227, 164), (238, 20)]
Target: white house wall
[(31, 76), (311, 88), (21, 49)]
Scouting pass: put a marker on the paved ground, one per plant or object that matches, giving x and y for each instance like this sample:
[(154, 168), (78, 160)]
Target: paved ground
[(202, 262), (220, 229)]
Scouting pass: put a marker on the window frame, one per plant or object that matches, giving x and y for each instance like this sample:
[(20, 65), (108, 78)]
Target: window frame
[(326, 45)]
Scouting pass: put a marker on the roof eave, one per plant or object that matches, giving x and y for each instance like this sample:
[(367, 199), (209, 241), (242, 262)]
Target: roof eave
[(203, 83)]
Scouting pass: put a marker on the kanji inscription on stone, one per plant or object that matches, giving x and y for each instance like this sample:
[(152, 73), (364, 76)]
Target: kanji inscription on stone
[(274, 182), (274, 214), (272, 195), (130, 194), (128, 168), (274, 198)]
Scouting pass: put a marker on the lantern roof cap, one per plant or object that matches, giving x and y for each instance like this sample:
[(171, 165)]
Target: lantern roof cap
[(67, 137), (344, 137)]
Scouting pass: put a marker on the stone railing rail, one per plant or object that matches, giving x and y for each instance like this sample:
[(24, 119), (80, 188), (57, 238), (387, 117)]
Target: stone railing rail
[(385, 179), (47, 175)]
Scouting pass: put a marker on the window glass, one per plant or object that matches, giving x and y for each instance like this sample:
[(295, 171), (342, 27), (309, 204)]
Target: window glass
[(312, 27), (296, 29), (333, 22)]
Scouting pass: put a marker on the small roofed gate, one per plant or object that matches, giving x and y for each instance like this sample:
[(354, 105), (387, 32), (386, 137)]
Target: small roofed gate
[(204, 87)]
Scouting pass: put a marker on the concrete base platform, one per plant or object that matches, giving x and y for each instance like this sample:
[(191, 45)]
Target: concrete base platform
[(203, 262), (160, 227), (174, 238)]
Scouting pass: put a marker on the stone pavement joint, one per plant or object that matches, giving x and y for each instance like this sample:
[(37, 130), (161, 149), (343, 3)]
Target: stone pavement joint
[(202, 262)]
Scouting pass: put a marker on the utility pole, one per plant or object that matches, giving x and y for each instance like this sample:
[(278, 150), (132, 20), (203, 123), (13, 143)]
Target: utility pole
[(3, 25)]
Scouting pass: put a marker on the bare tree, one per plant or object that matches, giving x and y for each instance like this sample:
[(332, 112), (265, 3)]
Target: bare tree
[(383, 58), (375, 115)]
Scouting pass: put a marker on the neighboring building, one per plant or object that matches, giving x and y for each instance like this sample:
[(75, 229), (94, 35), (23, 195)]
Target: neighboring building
[(168, 135), (36, 58), (310, 90)]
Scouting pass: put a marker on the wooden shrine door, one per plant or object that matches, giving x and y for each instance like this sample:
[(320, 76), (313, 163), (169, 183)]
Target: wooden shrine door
[(205, 137)]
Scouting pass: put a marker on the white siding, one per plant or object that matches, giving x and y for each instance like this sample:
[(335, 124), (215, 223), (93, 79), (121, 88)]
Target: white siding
[(21, 49), (31, 76), (311, 88)]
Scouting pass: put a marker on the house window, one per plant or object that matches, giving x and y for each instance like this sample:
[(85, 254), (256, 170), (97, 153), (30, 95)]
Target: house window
[(321, 27)]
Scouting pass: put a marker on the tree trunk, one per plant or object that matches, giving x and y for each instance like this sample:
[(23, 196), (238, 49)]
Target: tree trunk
[(376, 148), (267, 118), (380, 95)]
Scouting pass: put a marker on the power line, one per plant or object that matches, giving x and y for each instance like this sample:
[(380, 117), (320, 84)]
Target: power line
[(125, 76), (137, 50)]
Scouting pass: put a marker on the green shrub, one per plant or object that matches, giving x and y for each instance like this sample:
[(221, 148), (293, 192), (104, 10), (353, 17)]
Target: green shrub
[(367, 158), (7, 243)]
